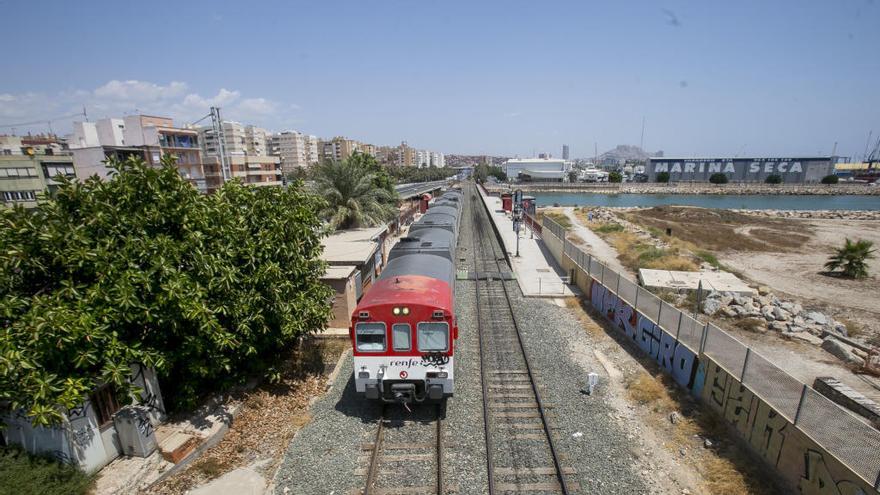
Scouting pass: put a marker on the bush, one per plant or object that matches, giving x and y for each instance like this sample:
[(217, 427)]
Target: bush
[(144, 269), (24, 474), (773, 179), (607, 228), (615, 177), (663, 177), (718, 178), (852, 258), (830, 179)]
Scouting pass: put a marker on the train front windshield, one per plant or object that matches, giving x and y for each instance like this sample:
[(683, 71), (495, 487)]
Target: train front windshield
[(433, 336)]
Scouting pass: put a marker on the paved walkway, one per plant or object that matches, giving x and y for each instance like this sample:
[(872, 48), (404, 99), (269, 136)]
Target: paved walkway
[(595, 245), (536, 270)]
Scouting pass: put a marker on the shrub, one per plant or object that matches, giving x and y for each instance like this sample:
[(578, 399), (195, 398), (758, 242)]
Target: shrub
[(615, 177), (205, 289), (830, 179), (608, 228), (663, 177), (773, 179), (852, 258), (718, 178), (24, 474)]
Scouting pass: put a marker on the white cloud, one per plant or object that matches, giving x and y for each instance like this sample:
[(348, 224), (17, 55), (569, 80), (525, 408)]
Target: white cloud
[(117, 98), (140, 90)]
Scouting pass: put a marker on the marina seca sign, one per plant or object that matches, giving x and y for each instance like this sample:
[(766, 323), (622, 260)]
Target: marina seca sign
[(727, 166)]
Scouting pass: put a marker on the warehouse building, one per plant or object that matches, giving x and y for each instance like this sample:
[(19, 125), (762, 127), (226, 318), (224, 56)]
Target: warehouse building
[(537, 169), (792, 170)]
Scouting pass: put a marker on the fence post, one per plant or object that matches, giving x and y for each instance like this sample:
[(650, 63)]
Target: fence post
[(589, 263), (797, 415), (659, 312), (742, 376), (678, 330), (617, 289), (602, 278), (703, 338)]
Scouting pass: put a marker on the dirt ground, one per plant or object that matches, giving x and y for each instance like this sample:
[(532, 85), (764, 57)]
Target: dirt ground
[(272, 414)]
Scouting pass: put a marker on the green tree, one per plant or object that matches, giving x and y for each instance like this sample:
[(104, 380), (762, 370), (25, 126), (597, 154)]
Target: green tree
[(381, 177), (481, 173), (773, 179), (663, 177), (830, 179), (615, 177), (718, 178), (852, 258), (143, 269), (353, 197)]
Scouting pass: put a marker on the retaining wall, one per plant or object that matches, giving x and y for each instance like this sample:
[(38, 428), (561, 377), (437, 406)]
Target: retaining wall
[(816, 446)]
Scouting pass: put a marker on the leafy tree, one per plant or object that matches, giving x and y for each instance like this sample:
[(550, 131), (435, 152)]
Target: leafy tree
[(497, 172), (143, 269), (573, 176), (615, 177), (830, 179), (718, 178), (773, 179), (852, 258), (381, 178), (663, 177), (353, 197), (414, 174), (483, 172)]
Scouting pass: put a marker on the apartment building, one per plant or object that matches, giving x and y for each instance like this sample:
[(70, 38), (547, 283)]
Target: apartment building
[(438, 159), (104, 132), (250, 169), (27, 175), (157, 136), (340, 148), (255, 140), (294, 149)]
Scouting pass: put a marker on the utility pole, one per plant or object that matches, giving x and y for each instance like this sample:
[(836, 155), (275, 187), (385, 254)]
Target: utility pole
[(642, 139), (217, 127)]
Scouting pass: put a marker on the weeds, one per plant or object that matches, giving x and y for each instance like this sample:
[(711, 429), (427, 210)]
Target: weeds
[(755, 325), (559, 218), (25, 474), (607, 228)]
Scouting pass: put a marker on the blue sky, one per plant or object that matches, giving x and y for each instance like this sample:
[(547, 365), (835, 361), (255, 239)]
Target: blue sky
[(513, 78)]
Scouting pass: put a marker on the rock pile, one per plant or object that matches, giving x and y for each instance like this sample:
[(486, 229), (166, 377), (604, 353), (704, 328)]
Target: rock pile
[(773, 313)]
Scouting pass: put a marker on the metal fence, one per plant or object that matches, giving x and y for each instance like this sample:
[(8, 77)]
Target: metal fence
[(553, 227), (839, 431)]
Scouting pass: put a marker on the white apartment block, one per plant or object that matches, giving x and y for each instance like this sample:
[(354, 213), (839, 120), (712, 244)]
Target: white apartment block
[(295, 149), (438, 159), (105, 132), (255, 139), (239, 140)]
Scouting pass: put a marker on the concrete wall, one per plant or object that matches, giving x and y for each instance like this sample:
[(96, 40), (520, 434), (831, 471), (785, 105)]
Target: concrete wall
[(79, 440), (800, 460)]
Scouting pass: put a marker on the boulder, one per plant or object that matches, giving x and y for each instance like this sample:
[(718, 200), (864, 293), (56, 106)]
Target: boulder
[(817, 317), (739, 310), (711, 306), (726, 298), (795, 328), (781, 314), (791, 307), (742, 300), (729, 312), (752, 310), (763, 290), (767, 313), (842, 351), (798, 321), (763, 300), (778, 326), (806, 337), (839, 328)]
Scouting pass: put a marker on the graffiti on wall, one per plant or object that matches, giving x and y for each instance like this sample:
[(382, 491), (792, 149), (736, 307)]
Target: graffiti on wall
[(676, 358), (775, 439)]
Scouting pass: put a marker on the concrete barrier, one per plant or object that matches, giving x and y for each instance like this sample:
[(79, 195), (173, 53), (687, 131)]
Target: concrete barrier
[(816, 448)]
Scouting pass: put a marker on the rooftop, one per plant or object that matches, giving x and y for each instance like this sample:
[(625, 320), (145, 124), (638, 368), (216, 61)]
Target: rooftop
[(352, 246), (337, 272)]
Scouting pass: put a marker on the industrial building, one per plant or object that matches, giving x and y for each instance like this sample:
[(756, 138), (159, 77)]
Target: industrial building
[(792, 170), (537, 169)]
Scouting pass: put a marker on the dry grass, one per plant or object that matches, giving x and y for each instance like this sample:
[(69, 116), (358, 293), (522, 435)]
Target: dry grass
[(719, 230), (853, 329), (755, 325), (559, 218), (634, 253), (580, 310), (648, 390)]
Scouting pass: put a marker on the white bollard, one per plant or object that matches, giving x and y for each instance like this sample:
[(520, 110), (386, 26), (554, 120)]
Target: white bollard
[(592, 381)]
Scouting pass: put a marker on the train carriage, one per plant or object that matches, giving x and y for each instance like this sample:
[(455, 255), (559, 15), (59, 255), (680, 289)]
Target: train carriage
[(404, 330), (431, 241)]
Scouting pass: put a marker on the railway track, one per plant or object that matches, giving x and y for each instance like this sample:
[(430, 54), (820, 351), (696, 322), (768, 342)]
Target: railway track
[(399, 465), (521, 453)]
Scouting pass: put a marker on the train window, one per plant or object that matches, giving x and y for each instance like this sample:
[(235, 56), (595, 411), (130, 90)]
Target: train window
[(401, 336), (370, 337), (433, 336)]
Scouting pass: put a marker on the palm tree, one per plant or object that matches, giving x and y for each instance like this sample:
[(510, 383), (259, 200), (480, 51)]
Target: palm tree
[(352, 198), (852, 257)]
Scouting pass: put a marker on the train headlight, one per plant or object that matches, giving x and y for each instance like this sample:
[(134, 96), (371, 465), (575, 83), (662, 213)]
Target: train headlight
[(405, 310), (364, 373), (395, 311)]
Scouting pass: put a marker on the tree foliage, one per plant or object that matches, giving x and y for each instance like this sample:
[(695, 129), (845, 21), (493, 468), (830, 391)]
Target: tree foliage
[(615, 177), (718, 178), (483, 172), (144, 269), (663, 177), (852, 258), (773, 179), (381, 178), (354, 197), (830, 179), (405, 175)]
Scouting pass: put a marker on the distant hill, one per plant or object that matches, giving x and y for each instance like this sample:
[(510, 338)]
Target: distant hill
[(627, 152)]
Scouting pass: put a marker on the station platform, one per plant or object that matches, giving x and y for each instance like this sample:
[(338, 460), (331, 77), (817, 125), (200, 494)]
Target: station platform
[(536, 271)]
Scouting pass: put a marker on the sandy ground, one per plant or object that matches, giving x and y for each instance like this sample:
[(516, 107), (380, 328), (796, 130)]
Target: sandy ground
[(798, 274), (595, 244)]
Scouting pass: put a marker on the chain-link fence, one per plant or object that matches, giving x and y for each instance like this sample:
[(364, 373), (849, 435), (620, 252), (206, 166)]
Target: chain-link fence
[(553, 227), (843, 434)]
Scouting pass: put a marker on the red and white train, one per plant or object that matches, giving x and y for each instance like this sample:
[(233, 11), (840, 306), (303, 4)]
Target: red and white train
[(403, 330)]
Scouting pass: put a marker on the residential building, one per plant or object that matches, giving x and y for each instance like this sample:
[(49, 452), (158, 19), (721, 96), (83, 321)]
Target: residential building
[(255, 141), (10, 145), (235, 139), (250, 169), (294, 149), (92, 160), (565, 152), (423, 158), (311, 143), (25, 176), (406, 156), (339, 148), (438, 159), (158, 136)]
